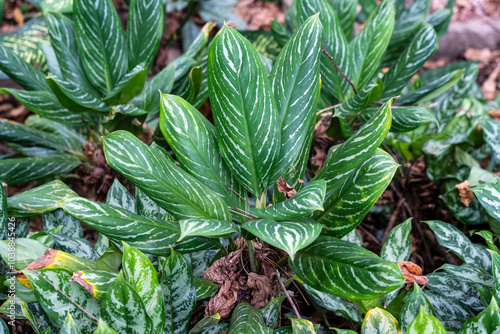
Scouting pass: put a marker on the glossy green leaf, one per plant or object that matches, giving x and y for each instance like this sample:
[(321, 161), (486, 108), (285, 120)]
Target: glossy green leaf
[(78, 246), (6, 227), (57, 302), (194, 141), (489, 197), (418, 52), (96, 282), (491, 135), (307, 200), (206, 228), (344, 269), (27, 251), (397, 245), (123, 309), (238, 86), (271, 311), (204, 288), (495, 259), (346, 12), (425, 323), (488, 321), (450, 237), (405, 119), (179, 292), (280, 33), (39, 200), (69, 326), (155, 173), (102, 328), (302, 326), (469, 273), (3, 326), (369, 94), (336, 45), (162, 82), (145, 25), (140, 273), (247, 320), (204, 323), (413, 305), (69, 137), (70, 226), (119, 196), (101, 43), (148, 208), (128, 87), (379, 321), (296, 85)]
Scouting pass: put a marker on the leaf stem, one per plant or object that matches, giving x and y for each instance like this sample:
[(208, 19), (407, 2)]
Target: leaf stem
[(338, 69), (251, 256)]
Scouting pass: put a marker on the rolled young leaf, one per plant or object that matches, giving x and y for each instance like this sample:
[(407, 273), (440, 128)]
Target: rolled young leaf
[(413, 306), (69, 326), (244, 110)]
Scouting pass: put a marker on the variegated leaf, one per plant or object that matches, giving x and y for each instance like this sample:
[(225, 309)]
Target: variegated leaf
[(425, 323), (412, 308), (452, 238), (369, 94), (4, 218), (39, 200), (78, 246), (290, 236), (212, 320), (405, 119), (336, 46), (280, 33), (194, 141), (206, 228), (69, 326), (58, 296), (244, 109), (489, 197), (140, 273), (369, 45), (148, 208), (346, 12), (307, 200), (468, 273), (27, 251), (344, 269), (123, 309), (154, 172), (271, 311), (163, 82), (397, 245), (418, 52), (179, 292), (119, 196), (302, 326), (248, 320), (491, 135), (495, 259), (347, 204), (145, 234), (102, 328), (128, 87), (70, 226), (96, 282), (204, 288), (296, 85), (488, 321), (379, 321), (101, 42), (144, 29)]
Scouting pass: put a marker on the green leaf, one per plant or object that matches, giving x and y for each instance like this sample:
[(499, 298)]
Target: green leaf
[(124, 310), (397, 246), (5, 223), (487, 321), (405, 119), (194, 141), (69, 326), (70, 226), (379, 321), (58, 296), (296, 85), (204, 288), (78, 246), (129, 86), (140, 273), (367, 48), (155, 173), (119, 196), (290, 236), (344, 269), (495, 258), (238, 86), (491, 135), (163, 82), (469, 273), (336, 45), (101, 43), (127, 110), (3, 326), (145, 24), (148, 208), (450, 237), (413, 306), (346, 11), (489, 195), (271, 311), (206, 228), (102, 328), (23, 73), (39, 200), (179, 293), (418, 52), (369, 94), (425, 323), (302, 326), (204, 323), (307, 200), (96, 282), (280, 33), (348, 203), (247, 320), (27, 251)]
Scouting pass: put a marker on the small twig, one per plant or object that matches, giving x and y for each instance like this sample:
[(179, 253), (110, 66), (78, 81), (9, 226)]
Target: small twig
[(338, 69), (248, 213), (239, 213), (240, 197), (288, 296), (328, 108)]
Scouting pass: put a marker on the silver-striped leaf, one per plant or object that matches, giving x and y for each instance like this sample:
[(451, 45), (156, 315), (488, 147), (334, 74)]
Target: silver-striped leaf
[(244, 109), (346, 12), (77, 246), (123, 309), (48, 285), (346, 270), (369, 94), (96, 282), (340, 306), (302, 326), (69, 326), (204, 288), (145, 25), (488, 321), (291, 236), (140, 273), (295, 84), (152, 170), (129, 86), (206, 228), (179, 292), (119, 196), (489, 197), (101, 42), (397, 245), (194, 141), (102, 328), (247, 320), (271, 311), (304, 202), (146, 207), (425, 323), (495, 259), (163, 82), (469, 273), (4, 218), (412, 307), (491, 135), (379, 321)]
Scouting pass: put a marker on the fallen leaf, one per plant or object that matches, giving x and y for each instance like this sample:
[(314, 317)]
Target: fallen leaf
[(412, 273), (285, 188), (464, 192)]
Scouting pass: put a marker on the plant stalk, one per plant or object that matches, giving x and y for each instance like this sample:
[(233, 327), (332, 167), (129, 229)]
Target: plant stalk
[(251, 256)]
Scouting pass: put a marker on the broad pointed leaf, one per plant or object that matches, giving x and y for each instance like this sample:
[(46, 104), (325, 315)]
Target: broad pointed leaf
[(369, 94), (488, 321), (70, 226), (346, 11), (425, 323), (491, 135), (119, 196), (206, 228), (244, 110), (247, 320), (5, 223), (302, 326), (102, 328), (27, 251), (204, 288), (412, 308), (155, 173), (379, 321), (489, 197), (129, 86), (96, 282), (397, 246), (148, 208), (344, 269), (468, 273), (78, 246), (69, 326), (271, 311), (212, 320)]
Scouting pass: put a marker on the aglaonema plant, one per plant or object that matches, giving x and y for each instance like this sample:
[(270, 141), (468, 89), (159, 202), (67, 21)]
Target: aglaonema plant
[(262, 132)]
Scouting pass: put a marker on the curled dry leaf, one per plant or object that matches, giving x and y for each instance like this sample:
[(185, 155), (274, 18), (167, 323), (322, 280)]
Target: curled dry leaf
[(464, 192), (412, 273), (285, 188)]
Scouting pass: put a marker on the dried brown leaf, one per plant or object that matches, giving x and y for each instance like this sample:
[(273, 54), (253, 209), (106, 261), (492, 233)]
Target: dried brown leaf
[(285, 188), (412, 273), (464, 192)]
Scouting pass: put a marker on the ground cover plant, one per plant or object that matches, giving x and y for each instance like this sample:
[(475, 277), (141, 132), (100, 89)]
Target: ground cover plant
[(229, 226)]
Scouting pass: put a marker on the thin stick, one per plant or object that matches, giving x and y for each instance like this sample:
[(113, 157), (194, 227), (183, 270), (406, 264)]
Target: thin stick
[(338, 69), (238, 213), (288, 296), (240, 196), (248, 213), (328, 108)]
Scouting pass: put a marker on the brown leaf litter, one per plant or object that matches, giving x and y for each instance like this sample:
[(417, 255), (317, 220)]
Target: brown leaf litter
[(412, 273), (464, 192), (285, 188)]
